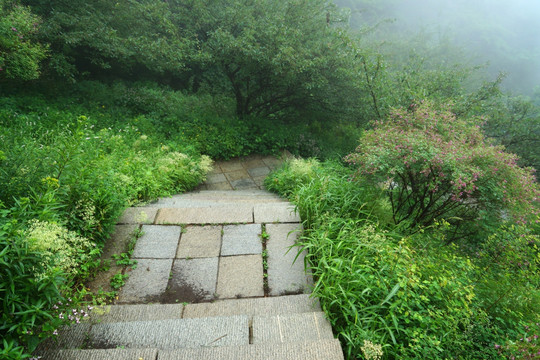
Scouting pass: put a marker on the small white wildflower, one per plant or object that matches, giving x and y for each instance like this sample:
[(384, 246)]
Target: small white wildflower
[(372, 351)]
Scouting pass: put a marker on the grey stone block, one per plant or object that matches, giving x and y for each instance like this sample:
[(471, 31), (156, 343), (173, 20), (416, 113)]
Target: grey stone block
[(241, 239), (292, 304), (237, 175), (291, 328), (138, 215), (219, 186), (272, 213), (242, 184), (200, 242), (285, 275), (69, 337), (240, 276), (118, 313), (172, 334), (259, 171), (313, 350), (193, 280), (230, 166), (147, 282), (206, 215), (157, 242), (215, 178), (102, 354)]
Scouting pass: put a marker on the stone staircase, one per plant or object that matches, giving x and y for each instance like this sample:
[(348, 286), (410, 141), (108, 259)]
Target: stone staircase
[(200, 290)]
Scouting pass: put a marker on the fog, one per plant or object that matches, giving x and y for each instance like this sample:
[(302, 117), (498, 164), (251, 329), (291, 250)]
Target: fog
[(504, 34)]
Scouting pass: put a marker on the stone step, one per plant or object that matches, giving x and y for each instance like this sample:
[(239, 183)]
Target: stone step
[(171, 333), (251, 307), (290, 328), (100, 354), (313, 350), (277, 305), (218, 198), (195, 332)]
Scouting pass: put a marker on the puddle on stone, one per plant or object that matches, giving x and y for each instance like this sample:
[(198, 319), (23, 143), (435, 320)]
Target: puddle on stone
[(184, 293)]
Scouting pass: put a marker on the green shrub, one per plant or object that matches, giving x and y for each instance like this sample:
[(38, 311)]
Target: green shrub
[(433, 165), (414, 296), (28, 290)]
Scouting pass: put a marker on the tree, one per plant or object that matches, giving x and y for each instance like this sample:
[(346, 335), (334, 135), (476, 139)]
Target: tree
[(130, 38), (20, 52), (273, 56)]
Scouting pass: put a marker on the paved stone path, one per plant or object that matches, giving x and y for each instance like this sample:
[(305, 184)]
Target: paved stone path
[(218, 276), (242, 173)]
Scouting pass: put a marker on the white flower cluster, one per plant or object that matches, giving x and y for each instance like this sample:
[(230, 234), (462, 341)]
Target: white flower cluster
[(372, 351), (58, 246)]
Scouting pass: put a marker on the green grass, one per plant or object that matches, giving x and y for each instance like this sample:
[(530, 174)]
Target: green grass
[(414, 296)]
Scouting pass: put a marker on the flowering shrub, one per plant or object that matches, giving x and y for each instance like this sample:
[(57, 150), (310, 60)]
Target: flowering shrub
[(434, 165), (59, 247), (20, 54)]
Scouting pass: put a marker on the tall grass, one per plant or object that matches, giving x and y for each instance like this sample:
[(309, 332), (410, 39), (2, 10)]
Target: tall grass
[(395, 296)]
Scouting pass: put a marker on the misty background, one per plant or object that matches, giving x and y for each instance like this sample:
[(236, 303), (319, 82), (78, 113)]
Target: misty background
[(503, 36)]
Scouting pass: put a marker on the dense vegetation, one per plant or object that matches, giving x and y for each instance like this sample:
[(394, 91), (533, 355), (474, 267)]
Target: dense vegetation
[(423, 240)]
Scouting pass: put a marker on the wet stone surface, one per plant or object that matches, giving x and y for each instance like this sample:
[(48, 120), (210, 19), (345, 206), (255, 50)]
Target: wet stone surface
[(192, 280), (147, 282)]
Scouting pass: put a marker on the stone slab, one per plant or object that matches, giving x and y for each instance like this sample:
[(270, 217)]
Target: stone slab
[(193, 280), (229, 166), (285, 275), (199, 242), (71, 337), (319, 350), (291, 328), (259, 171), (259, 180), (272, 162), (142, 312), (291, 304), (119, 240), (172, 334), (252, 161), (237, 175), (215, 178), (102, 354), (242, 184), (240, 276), (147, 282), (157, 242), (273, 213), (219, 186), (241, 240), (138, 215), (206, 215)]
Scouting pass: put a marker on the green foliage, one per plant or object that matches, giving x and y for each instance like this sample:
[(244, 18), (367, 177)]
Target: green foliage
[(89, 38), (433, 165), (20, 53), (65, 182), (415, 296), (28, 287), (118, 280)]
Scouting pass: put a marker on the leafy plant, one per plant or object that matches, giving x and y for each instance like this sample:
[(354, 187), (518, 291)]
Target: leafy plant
[(118, 280), (433, 165)]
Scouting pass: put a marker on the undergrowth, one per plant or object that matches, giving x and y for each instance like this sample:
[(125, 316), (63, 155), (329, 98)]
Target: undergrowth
[(393, 295)]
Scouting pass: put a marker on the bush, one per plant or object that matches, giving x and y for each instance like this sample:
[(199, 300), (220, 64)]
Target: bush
[(433, 165), (409, 296), (64, 184)]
